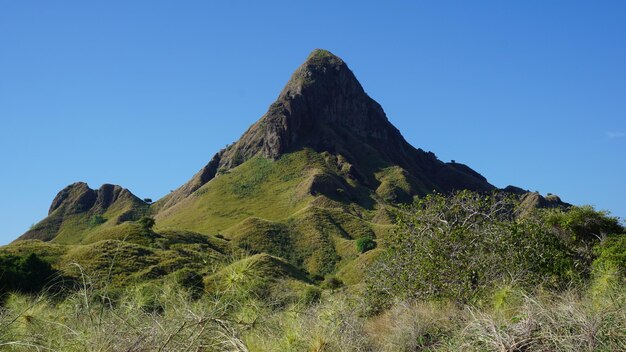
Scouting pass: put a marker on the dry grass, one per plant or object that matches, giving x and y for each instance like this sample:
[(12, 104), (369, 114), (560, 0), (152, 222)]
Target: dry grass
[(163, 319), (551, 322)]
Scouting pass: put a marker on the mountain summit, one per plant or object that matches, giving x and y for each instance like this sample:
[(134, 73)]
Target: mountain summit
[(325, 108)]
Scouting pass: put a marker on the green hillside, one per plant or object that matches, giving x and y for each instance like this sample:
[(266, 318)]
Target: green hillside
[(246, 191)]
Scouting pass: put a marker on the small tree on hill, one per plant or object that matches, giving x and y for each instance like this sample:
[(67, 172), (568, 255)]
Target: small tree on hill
[(146, 223), (364, 244)]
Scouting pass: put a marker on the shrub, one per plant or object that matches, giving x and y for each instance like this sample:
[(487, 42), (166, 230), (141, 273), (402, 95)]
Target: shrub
[(364, 244), (611, 254), (582, 228), (96, 220), (584, 223), (24, 274), (146, 223), (459, 246), (311, 294)]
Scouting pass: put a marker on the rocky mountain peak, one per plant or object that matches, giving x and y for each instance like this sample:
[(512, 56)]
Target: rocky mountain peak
[(322, 99), (321, 72), (79, 197), (324, 107), (74, 198)]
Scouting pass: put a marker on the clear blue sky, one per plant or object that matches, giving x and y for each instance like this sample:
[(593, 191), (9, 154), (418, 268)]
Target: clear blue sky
[(143, 93)]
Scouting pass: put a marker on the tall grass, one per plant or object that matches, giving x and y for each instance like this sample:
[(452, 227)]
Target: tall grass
[(550, 322), (165, 317), (542, 321), (143, 318)]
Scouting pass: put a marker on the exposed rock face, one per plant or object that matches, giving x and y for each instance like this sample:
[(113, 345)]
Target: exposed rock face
[(78, 199), (75, 198), (324, 107)]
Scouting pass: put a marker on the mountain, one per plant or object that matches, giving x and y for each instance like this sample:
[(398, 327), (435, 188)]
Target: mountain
[(320, 169), (324, 107)]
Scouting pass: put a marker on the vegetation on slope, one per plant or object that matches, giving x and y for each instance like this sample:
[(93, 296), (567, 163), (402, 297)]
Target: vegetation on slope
[(243, 192), (474, 276)]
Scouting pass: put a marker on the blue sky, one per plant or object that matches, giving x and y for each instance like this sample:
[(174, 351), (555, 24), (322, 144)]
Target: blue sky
[(143, 93)]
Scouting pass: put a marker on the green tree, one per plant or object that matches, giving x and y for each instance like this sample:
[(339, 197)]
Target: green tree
[(96, 220), (146, 223), (583, 228)]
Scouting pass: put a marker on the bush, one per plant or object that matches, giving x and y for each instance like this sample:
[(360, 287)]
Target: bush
[(364, 244), (311, 294), (24, 274), (584, 223), (146, 223), (459, 246), (611, 253), (582, 229), (97, 220)]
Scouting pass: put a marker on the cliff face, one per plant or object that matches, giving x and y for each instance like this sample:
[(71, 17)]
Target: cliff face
[(325, 108)]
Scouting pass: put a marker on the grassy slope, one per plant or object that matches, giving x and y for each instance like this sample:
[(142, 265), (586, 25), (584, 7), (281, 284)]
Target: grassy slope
[(259, 187), (137, 257), (267, 206), (262, 206)]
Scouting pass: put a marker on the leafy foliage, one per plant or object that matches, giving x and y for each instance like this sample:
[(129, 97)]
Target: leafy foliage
[(460, 245), (24, 273), (96, 220), (612, 253), (364, 244), (146, 223), (584, 223)]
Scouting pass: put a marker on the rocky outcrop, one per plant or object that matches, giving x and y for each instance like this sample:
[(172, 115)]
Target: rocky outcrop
[(75, 198)]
